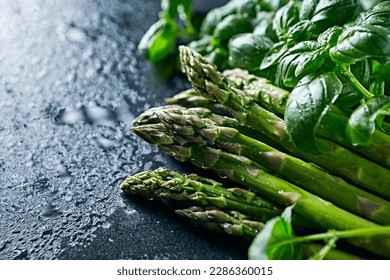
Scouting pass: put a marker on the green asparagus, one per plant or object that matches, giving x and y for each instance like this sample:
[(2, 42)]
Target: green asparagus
[(295, 170), (167, 184), (270, 97), (242, 170), (149, 117), (207, 80), (237, 224), (231, 222), (191, 98), (315, 108)]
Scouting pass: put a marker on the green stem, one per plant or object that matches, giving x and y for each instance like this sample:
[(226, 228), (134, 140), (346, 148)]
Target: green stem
[(311, 249), (325, 250), (343, 234), (355, 82)]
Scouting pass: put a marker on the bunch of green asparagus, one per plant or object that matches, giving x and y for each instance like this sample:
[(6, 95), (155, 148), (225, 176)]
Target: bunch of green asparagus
[(301, 138), (247, 143)]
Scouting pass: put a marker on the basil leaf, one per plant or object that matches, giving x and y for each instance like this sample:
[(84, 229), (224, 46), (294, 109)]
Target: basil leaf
[(244, 8), (382, 71), (377, 87), (326, 13), (269, 243), (308, 9), (329, 37), (285, 17), (306, 57), (230, 26), (379, 15), (349, 96), (360, 42), (297, 32), (367, 4), (263, 25), (361, 124), (274, 54), (307, 104), (362, 70), (214, 17), (272, 5), (248, 50), (158, 41)]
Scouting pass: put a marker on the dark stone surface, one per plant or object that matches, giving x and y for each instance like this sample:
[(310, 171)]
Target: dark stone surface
[(71, 82)]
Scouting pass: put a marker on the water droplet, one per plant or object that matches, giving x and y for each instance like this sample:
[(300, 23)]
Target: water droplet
[(74, 34), (131, 212), (95, 115), (106, 225), (105, 143), (50, 210), (69, 116), (92, 180), (20, 254)]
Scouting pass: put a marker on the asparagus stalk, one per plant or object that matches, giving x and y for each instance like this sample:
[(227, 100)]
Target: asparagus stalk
[(295, 170), (230, 222), (260, 89), (332, 126), (242, 170), (167, 184), (237, 224), (191, 98), (270, 97), (207, 80), (149, 117)]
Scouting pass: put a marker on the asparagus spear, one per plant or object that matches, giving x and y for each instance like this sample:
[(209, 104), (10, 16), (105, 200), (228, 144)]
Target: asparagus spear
[(149, 117), (231, 222), (295, 170), (191, 98), (211, 196), (245, 171), (332, 125), (207, 80), (165, 183), (260, 89), (237, 224)]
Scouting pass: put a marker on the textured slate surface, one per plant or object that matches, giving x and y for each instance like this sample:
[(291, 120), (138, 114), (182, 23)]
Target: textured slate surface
[(71, 82)]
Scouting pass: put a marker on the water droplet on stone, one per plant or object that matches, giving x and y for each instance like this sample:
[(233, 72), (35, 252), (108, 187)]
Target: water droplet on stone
[(74, 34)]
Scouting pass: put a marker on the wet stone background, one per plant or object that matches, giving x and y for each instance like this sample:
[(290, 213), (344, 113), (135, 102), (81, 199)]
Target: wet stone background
[(71, 82)]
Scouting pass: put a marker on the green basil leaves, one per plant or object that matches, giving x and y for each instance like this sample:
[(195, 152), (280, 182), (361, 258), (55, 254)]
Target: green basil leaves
[(247, 50), (307, 104), (361, 124)]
